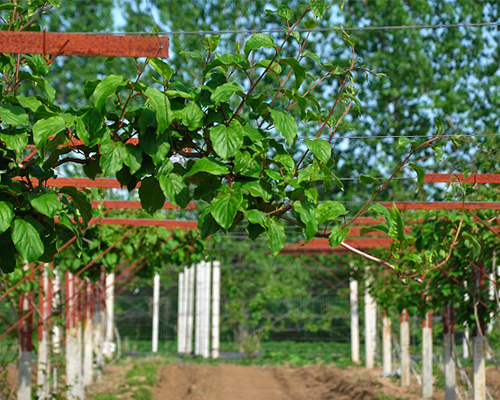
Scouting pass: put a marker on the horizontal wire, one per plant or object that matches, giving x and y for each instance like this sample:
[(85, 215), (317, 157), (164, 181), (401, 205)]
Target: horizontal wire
[(276, 30)]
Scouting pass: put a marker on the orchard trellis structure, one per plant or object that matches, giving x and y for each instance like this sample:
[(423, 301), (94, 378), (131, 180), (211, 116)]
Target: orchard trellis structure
[(376, 240)]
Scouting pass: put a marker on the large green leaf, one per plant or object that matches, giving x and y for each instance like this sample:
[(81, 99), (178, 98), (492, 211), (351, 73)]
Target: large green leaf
[(151, 195), (112, 158), (285, 124), (207, 224), (320, 148), (26, 238), (337, 235), (318, 7), (46, 203), (257, 41), (175, 188), (276, 235), (227, 140), (16, 141), (160, 103), (45, 128), (6, 215), (105, 89), (308, 217), (13, 115), (298, 70), (162, 68), (224, 92), (257, 217), (329, 211), (224, 208), (208, 165), (80, 202), (192, 116)]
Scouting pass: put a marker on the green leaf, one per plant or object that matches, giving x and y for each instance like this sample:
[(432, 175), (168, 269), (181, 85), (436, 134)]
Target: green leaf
[(396, 228), (226, 141), (176, 190), (420, 175), (320, 148), (224, 92), (275, 67), (473, 241), (46, 203), (105, 89), (258, 41), (211, 42), (160, 103), (112, 158), (337, 235), (285, 124), (207, 224), (31, 103), (256, 189), (134, 158), (285, 12), (45, 128), (224, 208), (16, 141), (192, 116), (80, 202), (403, 141), (6, 215), (26, 238), (318, 7), (330, 211), (314, 57), (276, 235), (298, 70), (366, 179), (13, 115), (208, 165), (256, 217), (308, 217), (151, 195), (162, 68)]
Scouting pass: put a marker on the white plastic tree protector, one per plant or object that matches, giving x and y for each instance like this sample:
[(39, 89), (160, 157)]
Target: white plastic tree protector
[(109, 345), (353, 299), (43, 371), (156, 312), (386, 345), (180, 325), (427, 378), (405, 347), (370, 328), (216, 309), (190, 309)]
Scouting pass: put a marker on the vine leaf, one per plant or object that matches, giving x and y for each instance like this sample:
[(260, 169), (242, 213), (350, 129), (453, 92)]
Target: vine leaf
[(151, 195), (329, 211), (227, 140), (224, 208), (320, 148), (45, 128), (208, 165), (276, 235), (308, 217), (192, 116), (224, 92), (285, 124), (258, 41), (105, 89), (6, 215), (46, 203), (13, 115), (160, 103), (337, 235), (26, 238)]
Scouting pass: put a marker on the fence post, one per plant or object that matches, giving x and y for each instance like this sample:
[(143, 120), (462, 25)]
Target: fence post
[(26, 347), (190, 309), (427, 384), (206, 308), (88, 335), (478, 342), (197, 324), (99, 313), (156, 311), (216, 309), (449, 363), (405, 347), (353, 299), (180, 325), (45, 303), (108, 349), (386, 344), (370, 328), (56, 329), (79, 338), (71, 338), (184, 311)]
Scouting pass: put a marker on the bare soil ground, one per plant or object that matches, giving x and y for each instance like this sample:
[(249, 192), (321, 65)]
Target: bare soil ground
[(231, 382)]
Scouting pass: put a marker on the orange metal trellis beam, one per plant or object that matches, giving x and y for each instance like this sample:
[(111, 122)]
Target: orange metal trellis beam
[(166, 223), (84, 44), (474, 178), (134, 205), (321, 246)]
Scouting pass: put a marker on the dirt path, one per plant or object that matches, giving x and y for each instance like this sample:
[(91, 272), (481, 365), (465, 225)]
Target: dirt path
[(231, 382)]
